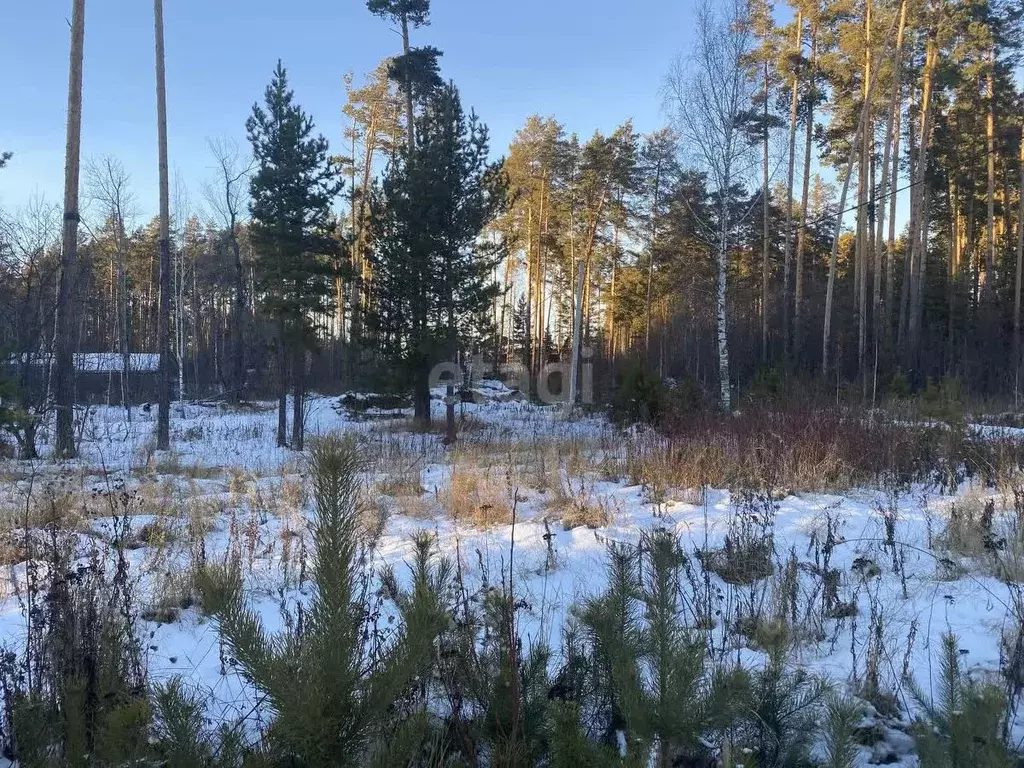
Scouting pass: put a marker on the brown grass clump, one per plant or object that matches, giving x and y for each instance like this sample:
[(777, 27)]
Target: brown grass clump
[(988, 529), (238, 481), (416, 507), (294, 494), (475, 494), (815, 448), (402, 482), (970, 529), (739, 562), (12, 550), (576, 506)]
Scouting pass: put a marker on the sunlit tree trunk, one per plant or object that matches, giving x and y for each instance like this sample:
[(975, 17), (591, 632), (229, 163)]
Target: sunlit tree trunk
[(801, 235), (787, 252), (64, 373), (163, 429)]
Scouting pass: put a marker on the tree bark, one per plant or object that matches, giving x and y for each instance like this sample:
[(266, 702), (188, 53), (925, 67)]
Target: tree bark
[(163, 436), (766, 223), (724, 385), (888, 190), (787, 251), (282, 386), (798, 296), (64, 372), (298, 398), (577, 340), (238, 316), (988, 285), (650, 262), (864, 198), (1019, 271), (919, 233)]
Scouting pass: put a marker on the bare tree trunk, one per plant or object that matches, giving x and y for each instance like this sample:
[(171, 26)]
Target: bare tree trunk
[(163, 428), (64, 368), (953, 205), (854, 149), (888, 191), (787, 253), (798, 297), (542, 220), (238, 317), (864, 236), (298, 398), (409, 116), (766, 223), (830, 290), (725, 387), (919, 233), (1020, 271), (282, 386), (530, 350), (988, 285), (577, 340), (650, 264)]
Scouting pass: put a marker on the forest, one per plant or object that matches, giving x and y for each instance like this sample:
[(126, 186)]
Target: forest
[(849, 220), (695, 447)]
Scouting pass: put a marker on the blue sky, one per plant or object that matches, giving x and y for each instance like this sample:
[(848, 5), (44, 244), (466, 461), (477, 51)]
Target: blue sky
[(590, 63)]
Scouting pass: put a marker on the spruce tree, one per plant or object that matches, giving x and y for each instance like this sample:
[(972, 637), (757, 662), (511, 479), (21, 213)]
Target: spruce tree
[(291, 191), (431, 266)]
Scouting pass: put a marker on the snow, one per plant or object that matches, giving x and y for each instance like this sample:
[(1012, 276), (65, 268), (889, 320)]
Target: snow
[(102, 362), (552, 574)]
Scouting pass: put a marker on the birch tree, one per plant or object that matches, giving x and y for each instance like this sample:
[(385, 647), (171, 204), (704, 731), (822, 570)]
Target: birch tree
[(711, 93), (108, 186)]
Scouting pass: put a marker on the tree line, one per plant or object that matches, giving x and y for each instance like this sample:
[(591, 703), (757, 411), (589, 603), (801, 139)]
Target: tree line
[(836, 198)]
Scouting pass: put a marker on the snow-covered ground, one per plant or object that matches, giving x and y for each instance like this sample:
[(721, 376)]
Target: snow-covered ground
[(251, 492)]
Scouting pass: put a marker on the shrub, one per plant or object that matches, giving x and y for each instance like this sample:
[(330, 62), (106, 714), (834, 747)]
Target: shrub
[(77, 694), (335, 702), (651, 682), (638, 397), (964, 728)]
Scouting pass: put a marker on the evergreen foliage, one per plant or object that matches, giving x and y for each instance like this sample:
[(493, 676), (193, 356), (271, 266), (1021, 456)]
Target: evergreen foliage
[(335, 704), (416, 70), (291, 191), (964, 726), (432, 268)]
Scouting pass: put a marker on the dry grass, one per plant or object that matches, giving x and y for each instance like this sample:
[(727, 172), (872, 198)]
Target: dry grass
[(575, 505), (987, 528), (475, 494), (239, 481), (416, 507)]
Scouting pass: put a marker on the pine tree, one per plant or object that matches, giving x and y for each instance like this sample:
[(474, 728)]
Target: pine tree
[(335, 704), (63, 370), (292, 190), (163, 420), (432, 269), (416, 70), (4, 157)]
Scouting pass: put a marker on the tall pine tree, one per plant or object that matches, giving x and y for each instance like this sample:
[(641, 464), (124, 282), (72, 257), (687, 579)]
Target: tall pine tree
[(415, 70), (292, 190), (431, 267)]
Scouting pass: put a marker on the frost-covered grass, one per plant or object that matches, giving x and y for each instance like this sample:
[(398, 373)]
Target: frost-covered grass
[(859, 584)]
